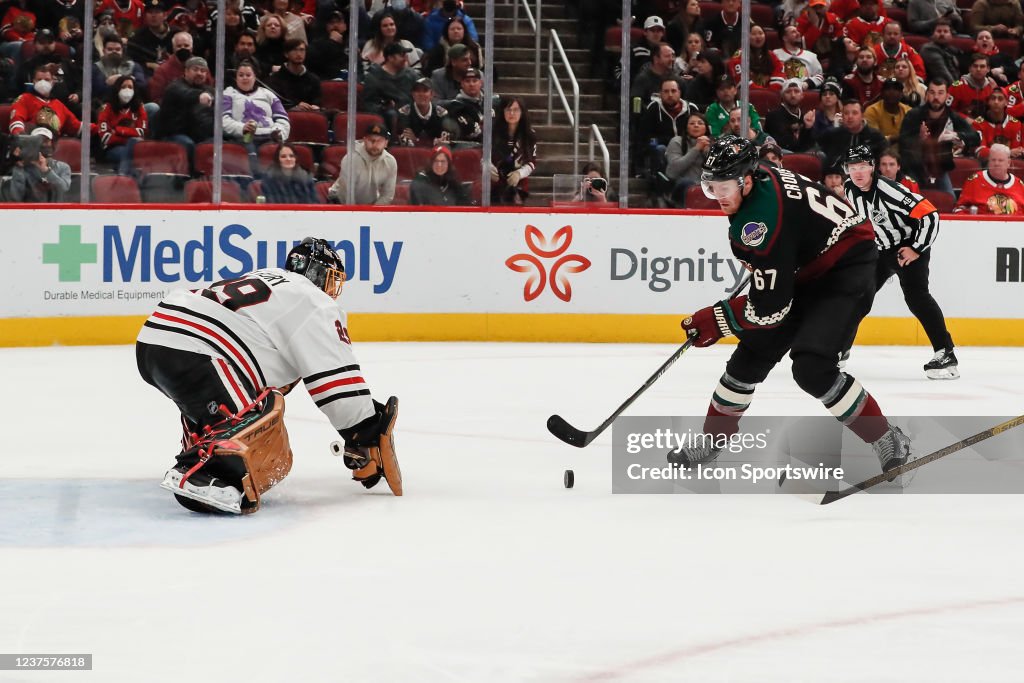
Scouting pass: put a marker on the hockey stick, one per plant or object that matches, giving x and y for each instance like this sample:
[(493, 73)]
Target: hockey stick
[(833, 496), (581, 439)]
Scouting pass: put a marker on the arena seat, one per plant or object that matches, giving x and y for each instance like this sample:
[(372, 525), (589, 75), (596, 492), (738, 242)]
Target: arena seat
[(322, 188), (308, 127), (234, 160), (697, 200), (163, 167), (265, 156), (330, 162), (363, 121), (805, 164), (765, 100), (943, 201), (613, 38), (115, 189), (411, 160), (467, 164), (201, 192), (334, 95)]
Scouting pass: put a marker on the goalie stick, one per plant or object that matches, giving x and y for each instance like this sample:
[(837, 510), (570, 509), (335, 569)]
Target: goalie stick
[(833, 496), (581, 439)]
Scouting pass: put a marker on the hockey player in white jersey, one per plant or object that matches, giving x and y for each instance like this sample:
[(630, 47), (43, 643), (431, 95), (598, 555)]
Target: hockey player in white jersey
[(227, 354)]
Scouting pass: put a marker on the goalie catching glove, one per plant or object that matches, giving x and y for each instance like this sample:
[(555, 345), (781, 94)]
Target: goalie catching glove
[(712, 323), (369, 448)]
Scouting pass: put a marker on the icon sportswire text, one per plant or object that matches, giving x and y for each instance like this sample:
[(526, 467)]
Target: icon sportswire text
[(543, 253)]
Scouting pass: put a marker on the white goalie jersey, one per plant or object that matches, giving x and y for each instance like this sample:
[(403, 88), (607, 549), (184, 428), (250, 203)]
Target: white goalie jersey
[(271, 327)]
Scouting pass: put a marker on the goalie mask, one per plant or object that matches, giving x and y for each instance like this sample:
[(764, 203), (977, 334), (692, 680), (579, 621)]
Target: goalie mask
[(316, 260)]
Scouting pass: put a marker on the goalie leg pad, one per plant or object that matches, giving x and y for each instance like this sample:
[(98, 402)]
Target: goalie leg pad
[(249, 451)]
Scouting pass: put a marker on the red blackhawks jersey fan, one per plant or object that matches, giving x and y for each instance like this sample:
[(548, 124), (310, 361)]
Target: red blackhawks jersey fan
[(227, 355), (812, 262)]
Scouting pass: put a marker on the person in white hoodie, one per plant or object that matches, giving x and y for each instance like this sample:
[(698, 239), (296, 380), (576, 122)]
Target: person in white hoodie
[(370, 168), (253, 114)]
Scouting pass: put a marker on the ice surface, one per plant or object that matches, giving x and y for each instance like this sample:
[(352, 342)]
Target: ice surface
[(488, 569)]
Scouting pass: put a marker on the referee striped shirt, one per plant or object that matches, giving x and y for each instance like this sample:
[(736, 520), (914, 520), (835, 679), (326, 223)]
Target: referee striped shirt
[(898, 215)]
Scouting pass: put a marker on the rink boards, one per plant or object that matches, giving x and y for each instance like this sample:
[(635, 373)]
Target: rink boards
[(91, 275)]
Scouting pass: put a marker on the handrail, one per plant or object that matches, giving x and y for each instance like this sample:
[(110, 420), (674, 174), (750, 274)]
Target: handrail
[(595, 133), (574, 113), (534, 26)]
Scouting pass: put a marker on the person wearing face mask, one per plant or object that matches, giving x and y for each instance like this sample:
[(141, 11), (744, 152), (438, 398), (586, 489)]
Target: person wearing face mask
[(173, 68), (122, 121), (112, 65), (37, 107), (36, 176), (437, 20)]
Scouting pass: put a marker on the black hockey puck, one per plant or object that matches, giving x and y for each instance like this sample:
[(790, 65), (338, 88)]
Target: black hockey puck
[(568, 479)]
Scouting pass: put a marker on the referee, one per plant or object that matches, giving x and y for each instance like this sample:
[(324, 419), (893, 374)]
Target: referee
[(906, 225)]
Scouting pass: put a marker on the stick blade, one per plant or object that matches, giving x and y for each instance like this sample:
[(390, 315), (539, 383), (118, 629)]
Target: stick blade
[(567, 433)]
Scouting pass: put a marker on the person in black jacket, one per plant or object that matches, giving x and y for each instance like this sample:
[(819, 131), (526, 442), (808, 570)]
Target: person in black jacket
[(438, 184), (930, 134), (186, 116), (285, 181), (834, 142)]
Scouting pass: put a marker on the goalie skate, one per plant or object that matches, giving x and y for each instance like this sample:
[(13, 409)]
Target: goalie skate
[(204, 489)]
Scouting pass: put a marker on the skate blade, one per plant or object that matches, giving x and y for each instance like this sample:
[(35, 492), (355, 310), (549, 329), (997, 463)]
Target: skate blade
[(943, 373), (172, 482)]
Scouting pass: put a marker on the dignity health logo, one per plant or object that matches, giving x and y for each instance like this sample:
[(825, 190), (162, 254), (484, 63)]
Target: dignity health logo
[(540, 273)]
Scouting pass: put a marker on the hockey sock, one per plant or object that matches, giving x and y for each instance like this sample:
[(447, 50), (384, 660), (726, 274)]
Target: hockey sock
[(730, 400), (856, 408)]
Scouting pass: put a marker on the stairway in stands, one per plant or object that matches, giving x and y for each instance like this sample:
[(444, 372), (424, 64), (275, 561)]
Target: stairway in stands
[(515, 69)]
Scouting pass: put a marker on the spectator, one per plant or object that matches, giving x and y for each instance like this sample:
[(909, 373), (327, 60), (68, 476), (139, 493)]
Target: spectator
[(941, 58), (755, 135), (1001, 66), (410, 22), (790, 11), (1014, 96), (44, 53), (913, 88), (835, 142), (687, 21), (234, 26), (37, 177), (253, 114), (791, 128), (270, 42), (708, 70), (864, 83), (448, 81), (765, 67), (244, 49), (685, 155), (465, 120), (725, 100), (994, 190), (1003, 18), (19, 25), (970, 94), (722, 32), (514, 152), (893, 48), (105, 26), (930, 135), (886, 115), (661, 121), (889, 166), (125, 16), (438, 184), (173, 68), (772, 154), (298, 89), (833, 180), (594, 186), (819, 27), (684, 63), (866, 28), (798, 62), (923, 15), (369, 168), (437, 19), (37, 108), (328, 55), (186, 116), (829, 113), (848, 10), (454, 34), (998, 127), (122, 122), (151, 44), (389, 85), (385, 33), (640, 53), (285, 182), (294, 24), (112, 65), (67, 84), (647, 85), (421, 124)]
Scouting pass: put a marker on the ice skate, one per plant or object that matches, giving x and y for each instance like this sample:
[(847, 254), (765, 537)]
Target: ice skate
[(893, 450), (943, 365), (201, 487), (701, 453)]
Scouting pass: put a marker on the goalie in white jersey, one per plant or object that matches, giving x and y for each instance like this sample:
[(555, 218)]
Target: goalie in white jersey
[(227, 354)]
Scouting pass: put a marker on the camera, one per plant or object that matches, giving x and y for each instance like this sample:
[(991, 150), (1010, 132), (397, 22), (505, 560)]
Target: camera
[(599, 184)]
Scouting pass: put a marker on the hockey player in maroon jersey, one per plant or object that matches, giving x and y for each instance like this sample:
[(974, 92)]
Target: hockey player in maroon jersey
[(812, 262), (227, 354)]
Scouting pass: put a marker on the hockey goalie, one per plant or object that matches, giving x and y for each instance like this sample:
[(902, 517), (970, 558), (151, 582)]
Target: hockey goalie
[(227, 355)]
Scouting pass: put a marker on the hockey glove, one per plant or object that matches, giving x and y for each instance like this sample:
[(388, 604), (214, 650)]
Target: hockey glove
[(711, 323), (369, 448)]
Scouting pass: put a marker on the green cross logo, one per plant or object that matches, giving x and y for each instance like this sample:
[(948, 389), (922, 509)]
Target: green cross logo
[(69, 253)]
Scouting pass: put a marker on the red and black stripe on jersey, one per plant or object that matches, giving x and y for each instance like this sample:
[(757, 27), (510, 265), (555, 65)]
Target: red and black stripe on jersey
[(214, 333), (332, 385)]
